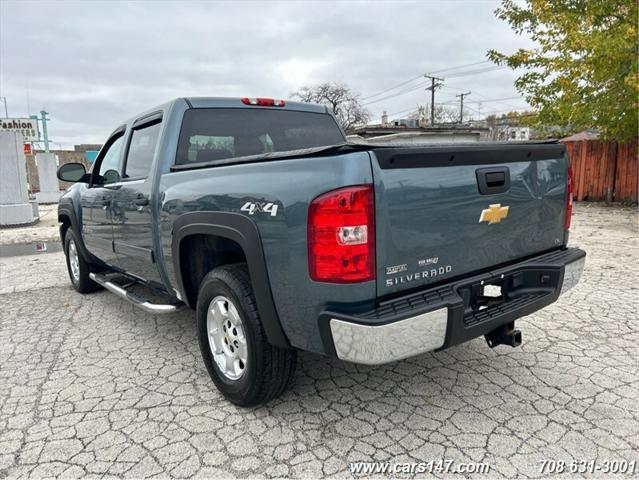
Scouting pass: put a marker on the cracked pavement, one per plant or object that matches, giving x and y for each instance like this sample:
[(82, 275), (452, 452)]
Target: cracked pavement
[(92, 387)]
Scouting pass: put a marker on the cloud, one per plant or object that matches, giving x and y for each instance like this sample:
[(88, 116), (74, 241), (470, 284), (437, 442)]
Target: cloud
[(94, 64)]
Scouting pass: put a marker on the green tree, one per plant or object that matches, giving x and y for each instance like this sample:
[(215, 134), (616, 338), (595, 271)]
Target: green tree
[(583, 72)]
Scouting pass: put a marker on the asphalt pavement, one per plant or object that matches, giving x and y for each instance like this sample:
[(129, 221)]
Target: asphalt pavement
[(92, 387)]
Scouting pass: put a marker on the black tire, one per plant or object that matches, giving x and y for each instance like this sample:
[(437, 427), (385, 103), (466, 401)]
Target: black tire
[(269, 370), (82, 283)]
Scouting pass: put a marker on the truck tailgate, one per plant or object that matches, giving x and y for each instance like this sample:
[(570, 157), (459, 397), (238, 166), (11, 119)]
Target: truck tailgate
[(442, 212)]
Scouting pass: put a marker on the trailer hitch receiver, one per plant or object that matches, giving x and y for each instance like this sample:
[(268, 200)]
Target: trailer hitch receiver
[(504, 335)]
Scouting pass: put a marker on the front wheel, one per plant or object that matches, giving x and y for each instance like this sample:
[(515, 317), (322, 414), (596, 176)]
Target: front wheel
[(244, 366), (77, 267)]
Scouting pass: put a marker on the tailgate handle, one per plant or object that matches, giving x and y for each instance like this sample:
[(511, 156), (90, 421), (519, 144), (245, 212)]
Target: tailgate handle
[(493, 180)]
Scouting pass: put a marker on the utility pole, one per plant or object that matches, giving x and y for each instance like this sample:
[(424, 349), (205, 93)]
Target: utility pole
[(433, 86), (461, 105), (4, 100)]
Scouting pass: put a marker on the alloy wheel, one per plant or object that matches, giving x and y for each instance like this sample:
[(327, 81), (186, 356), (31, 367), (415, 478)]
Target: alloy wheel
[(227, 340), (74, 261)]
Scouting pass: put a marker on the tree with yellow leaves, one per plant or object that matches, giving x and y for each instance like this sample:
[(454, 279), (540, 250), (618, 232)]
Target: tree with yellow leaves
[(583, 72)]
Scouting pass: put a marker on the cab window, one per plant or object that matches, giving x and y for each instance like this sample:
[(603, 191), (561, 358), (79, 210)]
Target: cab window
[(110, 163), (217, 134), (141, 151)]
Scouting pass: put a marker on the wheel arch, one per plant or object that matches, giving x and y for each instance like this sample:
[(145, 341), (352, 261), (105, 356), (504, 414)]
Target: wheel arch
[(65, 224), (68, 220), (236, 228)]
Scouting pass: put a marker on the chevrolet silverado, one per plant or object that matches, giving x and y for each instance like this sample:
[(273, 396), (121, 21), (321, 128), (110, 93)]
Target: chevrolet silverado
[(284, 237)]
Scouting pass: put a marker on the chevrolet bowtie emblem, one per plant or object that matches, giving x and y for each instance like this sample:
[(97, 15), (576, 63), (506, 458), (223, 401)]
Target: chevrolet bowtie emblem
[(495, 213)]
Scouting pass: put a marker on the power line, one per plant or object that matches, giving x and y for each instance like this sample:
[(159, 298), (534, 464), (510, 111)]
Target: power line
[(392, 88), (448, 101), (453, 87), (485, 99), (460, 66), (401, 92), (410, 110), (417, 86), (476, 72), (420, 76), (496, 99), (410, 86), (493, 112)]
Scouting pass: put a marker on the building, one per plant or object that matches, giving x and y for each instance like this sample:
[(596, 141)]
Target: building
[(506, 129), (87, 147), (84, 154), (511, 133)]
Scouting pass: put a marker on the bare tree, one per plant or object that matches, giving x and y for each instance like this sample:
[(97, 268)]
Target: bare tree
[(421, 115), (338, 97), (443, 114)]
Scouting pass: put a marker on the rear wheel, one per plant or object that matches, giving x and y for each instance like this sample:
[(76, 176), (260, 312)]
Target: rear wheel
[(77, 267), (244, 366)]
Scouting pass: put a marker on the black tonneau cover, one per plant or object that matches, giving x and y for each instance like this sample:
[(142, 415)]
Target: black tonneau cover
[(405, 156)]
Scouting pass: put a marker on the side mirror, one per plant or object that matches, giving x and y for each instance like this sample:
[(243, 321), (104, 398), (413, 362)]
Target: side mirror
[(110, 176), (72, 172)]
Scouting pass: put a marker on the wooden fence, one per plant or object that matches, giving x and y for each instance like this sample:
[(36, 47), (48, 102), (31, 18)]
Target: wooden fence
[(604, 171)]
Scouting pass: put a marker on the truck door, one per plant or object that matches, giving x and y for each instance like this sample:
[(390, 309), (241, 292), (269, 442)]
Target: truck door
[(97, 229), (133, 219)]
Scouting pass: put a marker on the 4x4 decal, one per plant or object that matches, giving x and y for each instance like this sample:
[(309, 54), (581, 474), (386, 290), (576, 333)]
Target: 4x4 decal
[(256, 207)]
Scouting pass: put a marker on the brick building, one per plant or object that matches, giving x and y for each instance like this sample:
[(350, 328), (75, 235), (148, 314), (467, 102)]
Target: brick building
[(78, 154)]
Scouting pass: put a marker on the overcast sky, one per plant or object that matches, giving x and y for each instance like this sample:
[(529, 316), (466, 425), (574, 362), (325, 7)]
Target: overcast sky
[(93, 65)]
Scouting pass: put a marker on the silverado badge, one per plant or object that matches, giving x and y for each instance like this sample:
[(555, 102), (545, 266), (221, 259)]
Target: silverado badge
[(495, 213)]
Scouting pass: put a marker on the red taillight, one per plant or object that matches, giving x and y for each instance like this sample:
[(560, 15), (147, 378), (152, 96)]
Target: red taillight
[(568, 198), (341, 235), (263, 102)]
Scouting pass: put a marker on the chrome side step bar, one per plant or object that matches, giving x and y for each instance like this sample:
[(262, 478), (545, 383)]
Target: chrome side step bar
[(155, 308)]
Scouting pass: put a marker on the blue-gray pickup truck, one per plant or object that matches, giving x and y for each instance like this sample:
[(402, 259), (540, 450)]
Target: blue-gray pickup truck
[(282, 236)]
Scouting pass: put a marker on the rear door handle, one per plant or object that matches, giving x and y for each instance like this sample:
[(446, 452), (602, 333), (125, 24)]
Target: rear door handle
[(493, 180)]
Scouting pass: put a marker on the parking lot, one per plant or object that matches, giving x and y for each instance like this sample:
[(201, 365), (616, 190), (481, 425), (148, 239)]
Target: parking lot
[(90, 386)]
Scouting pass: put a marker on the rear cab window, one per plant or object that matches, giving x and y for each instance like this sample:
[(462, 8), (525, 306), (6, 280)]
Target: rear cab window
[(210, 134)]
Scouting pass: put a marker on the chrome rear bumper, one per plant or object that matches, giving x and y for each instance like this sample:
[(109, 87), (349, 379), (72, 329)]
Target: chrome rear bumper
[(572, 274), (377, 344)]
